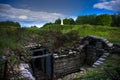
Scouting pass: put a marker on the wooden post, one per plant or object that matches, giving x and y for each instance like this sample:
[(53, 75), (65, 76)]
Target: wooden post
[(5, 70)]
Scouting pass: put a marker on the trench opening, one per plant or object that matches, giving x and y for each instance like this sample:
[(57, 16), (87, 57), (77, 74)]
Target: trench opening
[(41, 64)]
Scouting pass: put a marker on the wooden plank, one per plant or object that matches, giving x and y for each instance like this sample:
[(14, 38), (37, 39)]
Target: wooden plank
[(36, 50), (35, 57)]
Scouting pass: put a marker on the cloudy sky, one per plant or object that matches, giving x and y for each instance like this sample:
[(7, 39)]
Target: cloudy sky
[(39, 12)]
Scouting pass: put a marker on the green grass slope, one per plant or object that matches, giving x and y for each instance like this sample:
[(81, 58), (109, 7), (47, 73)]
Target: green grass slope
[(111, 33)]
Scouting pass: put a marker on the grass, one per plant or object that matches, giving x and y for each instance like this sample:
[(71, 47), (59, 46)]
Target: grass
[(112, 63), (111, 33)]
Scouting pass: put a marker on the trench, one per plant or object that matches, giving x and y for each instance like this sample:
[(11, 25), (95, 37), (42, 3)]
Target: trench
[(92, 51)]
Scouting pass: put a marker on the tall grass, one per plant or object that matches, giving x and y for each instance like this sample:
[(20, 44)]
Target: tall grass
[(111, 33)]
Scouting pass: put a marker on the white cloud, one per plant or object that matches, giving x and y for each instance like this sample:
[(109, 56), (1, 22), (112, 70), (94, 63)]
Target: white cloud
[(113, 5), (23, 17), (103, 0), (27, 15)]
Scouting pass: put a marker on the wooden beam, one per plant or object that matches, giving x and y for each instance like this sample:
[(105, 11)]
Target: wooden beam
[(35, 57), (36, 50)]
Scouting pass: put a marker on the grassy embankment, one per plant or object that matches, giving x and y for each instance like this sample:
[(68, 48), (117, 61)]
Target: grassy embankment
[(16, 40), (12, 38), (111, 33), (112, 63)]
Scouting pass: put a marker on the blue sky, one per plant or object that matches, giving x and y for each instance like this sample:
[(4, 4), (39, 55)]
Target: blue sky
[(39, 12)]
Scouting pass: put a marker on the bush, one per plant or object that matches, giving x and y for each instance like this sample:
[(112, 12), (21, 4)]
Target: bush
[(72, 35)]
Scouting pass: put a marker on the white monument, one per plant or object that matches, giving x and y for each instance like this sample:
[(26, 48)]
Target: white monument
[(61, 21)]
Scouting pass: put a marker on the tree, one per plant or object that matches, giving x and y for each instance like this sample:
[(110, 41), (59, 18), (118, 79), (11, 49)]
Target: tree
[(9, 27), (104, 19), (91, 19), (47, 24), (34, 26), (116, 20), (69, 21), (81, 20), (58, 21), (9, 24), (86, 19)]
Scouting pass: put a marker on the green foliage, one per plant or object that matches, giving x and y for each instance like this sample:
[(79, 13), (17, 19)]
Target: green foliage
[(65, 21), (104, 19), (47, 24), (8, 24), (116, 20), (55, 36), (9, 28), (58, 21), (52, 27), (69, 21), (86, 19), (99, 72), (73, 35), (91, 19), (111, 33), (34, 26)]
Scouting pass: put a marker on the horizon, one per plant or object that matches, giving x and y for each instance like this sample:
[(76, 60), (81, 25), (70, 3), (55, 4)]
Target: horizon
[(38, 12)]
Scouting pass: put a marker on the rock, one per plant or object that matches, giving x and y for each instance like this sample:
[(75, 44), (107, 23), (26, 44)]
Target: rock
[(81, 47), (110, 44), (106, 54), (116, 45), (24, 68), (56, 56), (74, 52), (63, 55), (94, 66), (82, 69), (70, 52)]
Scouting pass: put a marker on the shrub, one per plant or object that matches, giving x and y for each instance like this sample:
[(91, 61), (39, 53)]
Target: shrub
[(72, 35)]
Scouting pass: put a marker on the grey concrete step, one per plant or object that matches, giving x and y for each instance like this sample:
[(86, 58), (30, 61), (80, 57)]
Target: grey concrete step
[(96, 63), (101, 59), (99, 62), (104, 56)]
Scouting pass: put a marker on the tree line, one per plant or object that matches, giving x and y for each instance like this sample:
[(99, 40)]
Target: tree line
[(103, 19)]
